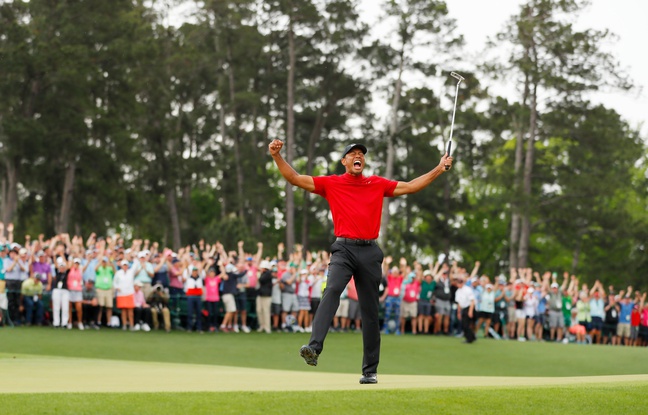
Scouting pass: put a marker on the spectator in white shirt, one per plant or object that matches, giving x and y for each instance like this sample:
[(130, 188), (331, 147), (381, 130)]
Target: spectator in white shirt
[(465, 299)]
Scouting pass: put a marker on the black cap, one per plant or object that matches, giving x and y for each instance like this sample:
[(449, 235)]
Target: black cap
[(352, 146)]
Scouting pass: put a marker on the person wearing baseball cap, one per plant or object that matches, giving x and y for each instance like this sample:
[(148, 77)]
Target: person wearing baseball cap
[(264, 297), (356, 203), (556, 319), (124, 283)]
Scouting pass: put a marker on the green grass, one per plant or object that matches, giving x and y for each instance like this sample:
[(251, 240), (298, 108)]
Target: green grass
[(422, 355), (604, 399), (408, 355)]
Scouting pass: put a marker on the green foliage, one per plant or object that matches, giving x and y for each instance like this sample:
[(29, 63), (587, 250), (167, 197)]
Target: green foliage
[(156, 120)]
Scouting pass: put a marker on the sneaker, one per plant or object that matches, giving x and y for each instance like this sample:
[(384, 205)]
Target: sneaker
[(80, 326), (245, 329), (309, 355), (522, 339), (308, 329), (398, 333), (368, 378), (136, 328), (146, 327), (69, 326), (235, 329)]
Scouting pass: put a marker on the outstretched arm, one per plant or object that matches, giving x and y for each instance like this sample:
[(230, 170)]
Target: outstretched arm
[(418, 184), (286, 170)]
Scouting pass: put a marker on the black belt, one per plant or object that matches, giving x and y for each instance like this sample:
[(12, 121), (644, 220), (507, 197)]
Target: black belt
[(363, 242)]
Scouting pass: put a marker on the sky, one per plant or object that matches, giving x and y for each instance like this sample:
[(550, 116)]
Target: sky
[(477, 20)]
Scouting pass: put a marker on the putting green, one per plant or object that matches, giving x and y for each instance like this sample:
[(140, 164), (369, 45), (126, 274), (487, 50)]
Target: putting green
[(43, 374)]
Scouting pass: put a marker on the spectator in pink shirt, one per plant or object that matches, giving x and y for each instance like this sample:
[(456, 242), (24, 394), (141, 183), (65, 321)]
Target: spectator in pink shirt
[(391, 297), (212, 297), (75, 287), (354, 306), (142, 311)]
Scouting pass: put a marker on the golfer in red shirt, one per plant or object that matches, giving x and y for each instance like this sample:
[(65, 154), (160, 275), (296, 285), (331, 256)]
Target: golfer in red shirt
[(356, 204)]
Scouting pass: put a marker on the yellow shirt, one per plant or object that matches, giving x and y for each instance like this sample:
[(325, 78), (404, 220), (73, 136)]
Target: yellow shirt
[(31, 287)]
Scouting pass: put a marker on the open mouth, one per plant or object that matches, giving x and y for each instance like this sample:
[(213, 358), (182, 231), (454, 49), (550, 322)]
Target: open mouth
[(357, 163)]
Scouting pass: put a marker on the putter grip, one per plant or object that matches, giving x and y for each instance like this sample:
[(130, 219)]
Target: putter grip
[(448, 152)]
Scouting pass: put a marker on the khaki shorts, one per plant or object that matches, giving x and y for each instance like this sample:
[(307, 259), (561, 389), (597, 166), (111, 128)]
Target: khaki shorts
[(105, 298), (343, 309), (510, 314), (229, 303), (623, 330), (409, 309)]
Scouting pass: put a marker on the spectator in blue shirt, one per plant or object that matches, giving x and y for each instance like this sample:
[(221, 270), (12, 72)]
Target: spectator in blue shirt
[(597, 311), (626, 305)]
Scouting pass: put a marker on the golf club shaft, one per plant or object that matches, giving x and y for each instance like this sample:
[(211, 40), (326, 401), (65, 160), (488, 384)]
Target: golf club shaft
[(454, 110)]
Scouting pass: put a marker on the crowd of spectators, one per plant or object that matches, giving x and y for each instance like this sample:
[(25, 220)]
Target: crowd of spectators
[(72, 283)]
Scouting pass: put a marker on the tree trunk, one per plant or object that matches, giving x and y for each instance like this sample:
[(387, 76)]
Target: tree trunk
[(236, 137), (389, 164), (9, 191), (525, 229), (66, 202), (316, 134), (290, 135), (223, 133), (514, 238), (576, 253), (173, 215)]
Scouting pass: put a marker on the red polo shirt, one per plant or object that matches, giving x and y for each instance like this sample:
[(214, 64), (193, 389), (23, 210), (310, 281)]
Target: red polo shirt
[(356, 203)]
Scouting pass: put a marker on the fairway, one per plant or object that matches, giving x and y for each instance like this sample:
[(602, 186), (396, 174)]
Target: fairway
[(156, 372), (98, 375)]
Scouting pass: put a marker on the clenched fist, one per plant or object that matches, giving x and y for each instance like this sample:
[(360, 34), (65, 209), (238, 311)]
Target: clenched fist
[(275, 147)]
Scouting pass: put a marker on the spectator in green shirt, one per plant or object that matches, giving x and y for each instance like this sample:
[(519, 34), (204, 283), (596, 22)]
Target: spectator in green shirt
[(104, 288), (31, 295), (425, 302)]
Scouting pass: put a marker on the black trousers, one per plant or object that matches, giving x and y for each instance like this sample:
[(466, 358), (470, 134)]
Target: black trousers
[(13, 298), (90, 313), (466, 325), (363, 262)]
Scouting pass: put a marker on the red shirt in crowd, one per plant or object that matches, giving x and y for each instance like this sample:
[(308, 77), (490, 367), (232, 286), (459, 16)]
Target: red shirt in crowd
[(394, 282), (356, 202), (352, 292), (635, 317)]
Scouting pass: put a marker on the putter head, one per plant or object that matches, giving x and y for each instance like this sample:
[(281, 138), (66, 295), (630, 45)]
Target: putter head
[(457, 76)]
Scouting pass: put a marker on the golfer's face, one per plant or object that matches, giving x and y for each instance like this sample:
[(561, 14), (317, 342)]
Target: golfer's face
[(354, 161)]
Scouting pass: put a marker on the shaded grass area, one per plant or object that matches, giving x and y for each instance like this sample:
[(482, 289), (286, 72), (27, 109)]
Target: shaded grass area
[(408, 355), (590, 399)]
